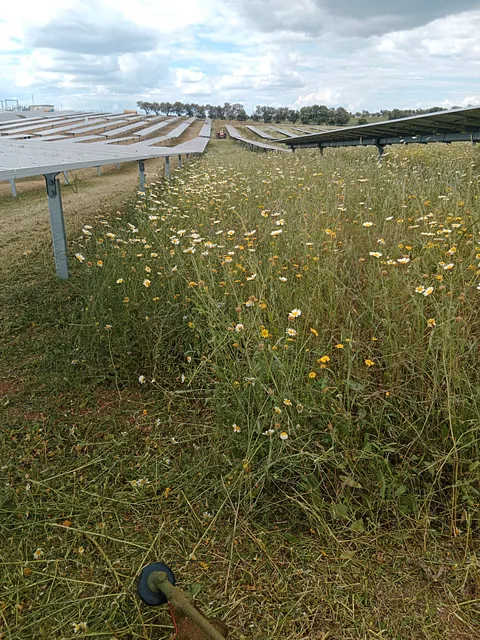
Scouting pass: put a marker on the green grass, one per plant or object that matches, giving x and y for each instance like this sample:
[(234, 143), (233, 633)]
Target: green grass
[(364, 522)]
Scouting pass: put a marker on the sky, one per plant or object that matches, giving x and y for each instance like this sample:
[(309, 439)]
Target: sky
[(107, 54)]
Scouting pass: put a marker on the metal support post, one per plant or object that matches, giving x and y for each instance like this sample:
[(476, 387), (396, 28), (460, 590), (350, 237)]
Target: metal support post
[(141, 171), (321, 150), (14, 187), (99, 172), (65, 175), (57, 225), (179, 161), (167, 167), (381, 151), (118, 165)]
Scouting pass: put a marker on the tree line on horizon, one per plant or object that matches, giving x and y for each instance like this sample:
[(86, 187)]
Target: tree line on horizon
[(314, 114)]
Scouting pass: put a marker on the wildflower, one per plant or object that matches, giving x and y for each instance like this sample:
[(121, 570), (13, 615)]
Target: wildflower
[(428, 291), (108, 327), (100, 263), (312, 375), (299, 408), (324, 359), (277, 232), (368, 224), (239, 327), (403, 260), (120, 281), (290, 332), (369, 363), (294, 313), (249, 303), (79, 627), (175, 240), (431, 323), (269, 432), (252, 277), (282, 279), (449, 267), (277, 410), (148, 269), (376, 254), (189, 359), (142, 379), (419, 289), (284, 435), (146, 283), (38, 553), (228, 259), (314, 331), (339, 346), (265, 333), (79, 257), (236, 428), (287, 402)]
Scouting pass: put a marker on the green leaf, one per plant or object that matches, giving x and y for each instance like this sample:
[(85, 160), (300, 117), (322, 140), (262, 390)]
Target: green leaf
[(341, 511), (401, 490), (195, 590), (358, 526), (354, 386), (350, 482)]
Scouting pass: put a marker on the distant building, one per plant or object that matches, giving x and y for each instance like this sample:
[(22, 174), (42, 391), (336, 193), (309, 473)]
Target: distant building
[(46, 108)]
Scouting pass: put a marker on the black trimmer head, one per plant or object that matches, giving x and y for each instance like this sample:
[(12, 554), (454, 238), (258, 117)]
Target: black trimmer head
[(153, 598)]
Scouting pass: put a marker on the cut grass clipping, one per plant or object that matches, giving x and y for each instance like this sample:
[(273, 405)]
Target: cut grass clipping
[(264, 373)]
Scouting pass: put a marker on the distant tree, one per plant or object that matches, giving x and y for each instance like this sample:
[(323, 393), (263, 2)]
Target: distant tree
[(305, 115), (144, 106), (156, 108), (167, 108), (362, 120), (341, 117), (281, 115), (178, 108), (292, 115), (188, 109)]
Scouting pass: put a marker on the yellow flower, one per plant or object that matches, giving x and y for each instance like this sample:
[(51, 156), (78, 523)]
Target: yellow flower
[(146, 283), (287, 402), (339, 346), (428, 291), (236, 428), (375, 254), (314, 331), (284, 435), (419, 289), (79, 257), (369, 363), (368, 224), (277, 410), (265, 333), (403, 260), (431, 323), (290, 332), (99, 263), (312, 375), (38, 554), (120, 281), (324, 359)]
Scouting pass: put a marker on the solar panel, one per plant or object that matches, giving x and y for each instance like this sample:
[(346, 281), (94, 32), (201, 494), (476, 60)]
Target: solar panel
[(456, 125), (259, 132), (233, 133)]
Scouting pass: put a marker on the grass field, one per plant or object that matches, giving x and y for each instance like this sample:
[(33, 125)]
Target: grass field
[(264, 373)]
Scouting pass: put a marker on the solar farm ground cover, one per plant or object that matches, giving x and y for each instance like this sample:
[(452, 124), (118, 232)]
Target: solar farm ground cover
[(272, 381)]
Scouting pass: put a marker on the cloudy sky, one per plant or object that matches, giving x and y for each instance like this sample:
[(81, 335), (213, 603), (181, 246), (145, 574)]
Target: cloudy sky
[(107, 54)]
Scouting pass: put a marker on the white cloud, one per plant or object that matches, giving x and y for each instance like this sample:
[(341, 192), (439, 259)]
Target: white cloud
[(105, 53)]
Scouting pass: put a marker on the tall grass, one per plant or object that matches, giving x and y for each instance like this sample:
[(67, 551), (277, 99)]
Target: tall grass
[(326, 310)]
